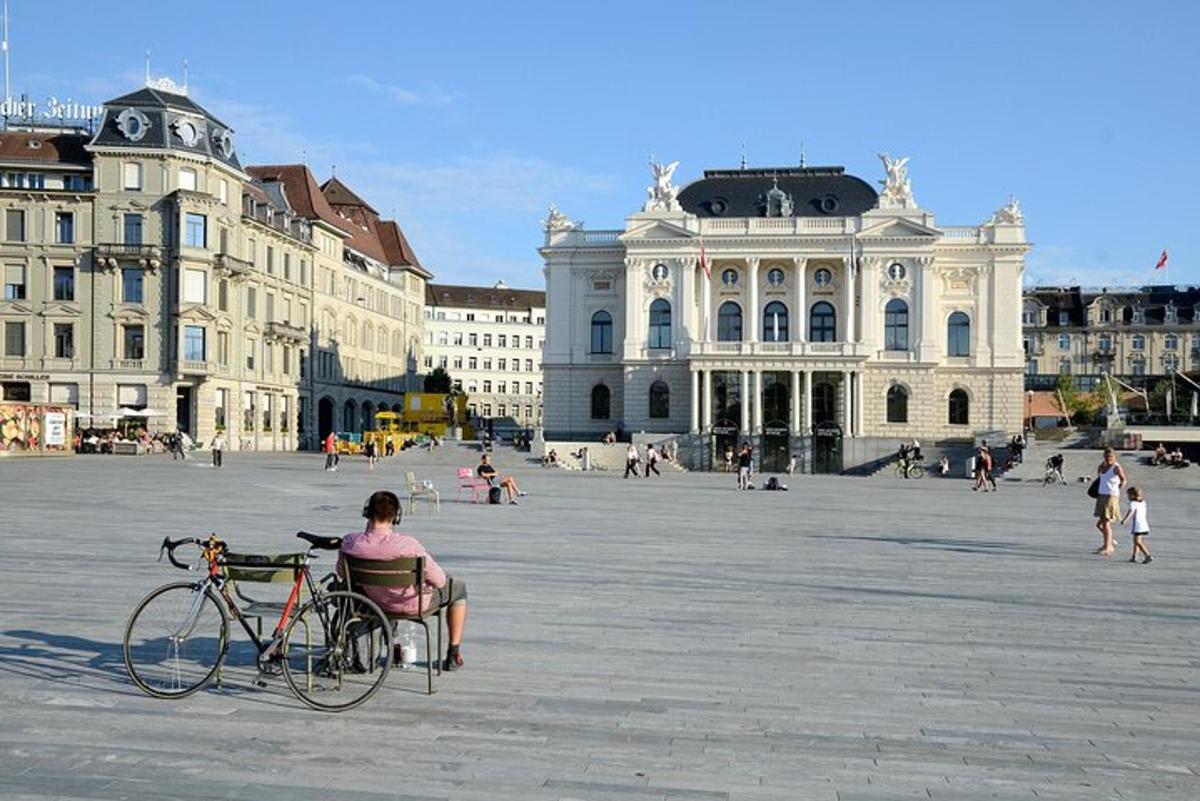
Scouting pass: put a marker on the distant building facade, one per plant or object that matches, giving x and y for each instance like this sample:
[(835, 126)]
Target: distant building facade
[(781, 307), (146, 268), (489, 339), (1135, 333)]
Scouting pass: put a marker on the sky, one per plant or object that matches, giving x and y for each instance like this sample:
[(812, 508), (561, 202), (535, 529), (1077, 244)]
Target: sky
[(464, 120)]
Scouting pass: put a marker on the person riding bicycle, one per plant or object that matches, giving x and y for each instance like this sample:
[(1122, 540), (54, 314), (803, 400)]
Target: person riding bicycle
[(379, 541)]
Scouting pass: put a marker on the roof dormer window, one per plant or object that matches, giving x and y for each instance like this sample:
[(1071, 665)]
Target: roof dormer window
[(1170, 313), (1139, 315)]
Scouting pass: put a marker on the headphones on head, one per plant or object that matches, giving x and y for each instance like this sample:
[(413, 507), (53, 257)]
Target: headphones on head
[(389, 495)]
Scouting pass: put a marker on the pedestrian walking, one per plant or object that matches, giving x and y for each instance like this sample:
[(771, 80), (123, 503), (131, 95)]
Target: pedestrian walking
[(631, 460), (791, 468), (743, 465), (369, 452), (989, 466), (218, 449), (177, 451), (651, 460), (1141, 524), (1110, 477), (331, 453)]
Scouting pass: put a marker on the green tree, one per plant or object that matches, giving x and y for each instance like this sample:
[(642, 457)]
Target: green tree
[(438, 381)]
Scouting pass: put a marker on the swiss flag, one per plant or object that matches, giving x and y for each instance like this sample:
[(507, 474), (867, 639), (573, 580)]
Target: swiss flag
[(1162, 261)]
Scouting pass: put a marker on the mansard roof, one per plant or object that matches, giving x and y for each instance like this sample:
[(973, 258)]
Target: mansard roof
[(162, 110), (38, 147), (484, 297), (814, 192), (1151, 299)]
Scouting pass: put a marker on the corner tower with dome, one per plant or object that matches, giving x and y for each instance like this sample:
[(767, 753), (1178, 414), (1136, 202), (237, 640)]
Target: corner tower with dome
[(794, 307)]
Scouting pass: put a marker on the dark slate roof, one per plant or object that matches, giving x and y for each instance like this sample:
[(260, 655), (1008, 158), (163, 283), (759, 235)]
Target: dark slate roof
[(1152, 299), (163, 108), (44, 148), (815, 192), (484, 297)]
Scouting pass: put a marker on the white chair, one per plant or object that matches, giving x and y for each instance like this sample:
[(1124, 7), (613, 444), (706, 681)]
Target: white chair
[(419, 490)]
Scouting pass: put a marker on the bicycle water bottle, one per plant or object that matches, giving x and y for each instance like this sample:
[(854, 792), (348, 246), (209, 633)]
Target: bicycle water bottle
[(408, 646)]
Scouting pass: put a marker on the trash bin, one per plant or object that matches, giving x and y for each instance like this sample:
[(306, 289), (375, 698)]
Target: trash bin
[(971, 467), (585, 459)]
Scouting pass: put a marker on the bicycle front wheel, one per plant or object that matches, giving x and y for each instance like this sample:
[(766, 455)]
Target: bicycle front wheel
[(175, 640), (916, 471), (337, 651)]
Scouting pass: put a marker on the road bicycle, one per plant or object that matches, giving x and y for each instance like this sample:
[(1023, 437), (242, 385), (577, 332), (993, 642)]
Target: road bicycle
[(910, 469), (178, 636)]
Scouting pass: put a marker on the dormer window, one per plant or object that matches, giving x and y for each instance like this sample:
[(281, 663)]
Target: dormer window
[(1139, 315), (1064, 318), (1170, 313), (1105, 315)]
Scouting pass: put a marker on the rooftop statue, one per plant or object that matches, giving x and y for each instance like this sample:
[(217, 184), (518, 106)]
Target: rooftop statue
[(1010, 213), (662, 196), (557, 221), (897, 188)]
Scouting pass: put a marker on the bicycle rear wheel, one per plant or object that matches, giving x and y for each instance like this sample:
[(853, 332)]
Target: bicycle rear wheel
[(175, 640), (916, 471), (337, 651)]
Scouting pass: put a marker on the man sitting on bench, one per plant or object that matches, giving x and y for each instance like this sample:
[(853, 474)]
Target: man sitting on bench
[(381, 542)]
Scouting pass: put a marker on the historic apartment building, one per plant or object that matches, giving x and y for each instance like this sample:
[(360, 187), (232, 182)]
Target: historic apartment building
[(1134, 333), (794, 307), (145, 267), (489, 339)]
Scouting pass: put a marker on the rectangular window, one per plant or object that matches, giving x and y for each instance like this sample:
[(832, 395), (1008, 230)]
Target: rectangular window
[(219, 407), (223, 348), (77, 183), (285, 365), (187, 179), (131, 176), (64, 341), (287, 311), (135, 342), (64, 227), (268, 357), (251, 345), (528, 387), (223, 295), (487, 386), (443, 362), (133, 229), (487, 340), (501, 341), (472, 363), (287, 266), (428, 361), (15, 225), (251, 303), (1064, 366), (14, 282), (458, 362), (64, 283), (487, 410), (501, 388), (458, 338), (529, 342), (473, 340), (270, 318), (195, 286), (487, 364), (502, 410), (196, 231), (529, 365), (131, 285), (1064, 318), (304, 271), (270, 260), (502, 364), (223, 192), (1064, 342), (14, 339), (193, 343)]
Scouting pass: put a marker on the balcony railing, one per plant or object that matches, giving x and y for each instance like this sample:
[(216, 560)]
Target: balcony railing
[(287, 331), (810, 349), (125, 250), (127, 364), (196, 367)]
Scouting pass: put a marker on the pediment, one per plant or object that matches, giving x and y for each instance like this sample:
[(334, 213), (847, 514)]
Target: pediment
[(15, 308), (656, 229), (197, 313), (899, 228), (61, 310), (130, 313), (253, 328)]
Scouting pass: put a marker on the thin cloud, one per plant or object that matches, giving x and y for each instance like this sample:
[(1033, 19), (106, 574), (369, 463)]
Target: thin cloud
[(1062, 265), (403, 96)]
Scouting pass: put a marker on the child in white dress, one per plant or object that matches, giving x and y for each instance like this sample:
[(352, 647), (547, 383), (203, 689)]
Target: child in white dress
[(1141, 524)]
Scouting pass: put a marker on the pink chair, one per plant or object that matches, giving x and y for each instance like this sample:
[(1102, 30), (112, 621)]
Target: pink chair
[(467, 480)]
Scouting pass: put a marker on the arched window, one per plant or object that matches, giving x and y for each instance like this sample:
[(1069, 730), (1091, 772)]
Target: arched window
[(729, 322), (600, 402), (822, 323), (958, 335), (960, 408), (775, 322), (895, 325), (897, 404), (602, 332), (660, 324), (368, 416), (660, 399), (349, 416)]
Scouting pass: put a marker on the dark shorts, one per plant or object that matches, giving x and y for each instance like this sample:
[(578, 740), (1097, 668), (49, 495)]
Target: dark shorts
[(1137, 534), (446, 597)]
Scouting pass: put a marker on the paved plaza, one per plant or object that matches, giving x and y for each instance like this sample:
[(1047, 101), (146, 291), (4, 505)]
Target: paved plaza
[(852, 639)]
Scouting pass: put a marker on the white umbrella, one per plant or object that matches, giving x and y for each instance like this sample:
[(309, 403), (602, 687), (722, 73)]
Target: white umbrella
[(153, 413)]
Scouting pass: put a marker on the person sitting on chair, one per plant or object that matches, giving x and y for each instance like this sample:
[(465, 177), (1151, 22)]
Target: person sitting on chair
[(381, 541), (1160, 454), (487, 472), (1177, 457)]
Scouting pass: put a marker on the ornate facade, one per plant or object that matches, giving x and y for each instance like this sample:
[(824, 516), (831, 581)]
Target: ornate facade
[(777, 303), (146, 268)]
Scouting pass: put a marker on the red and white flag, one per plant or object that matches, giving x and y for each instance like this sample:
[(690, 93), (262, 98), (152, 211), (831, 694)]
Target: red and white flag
[(704, 261), (1162, 261)]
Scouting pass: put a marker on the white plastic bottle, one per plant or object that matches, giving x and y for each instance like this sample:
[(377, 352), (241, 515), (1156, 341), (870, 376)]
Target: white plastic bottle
[(408, 645)]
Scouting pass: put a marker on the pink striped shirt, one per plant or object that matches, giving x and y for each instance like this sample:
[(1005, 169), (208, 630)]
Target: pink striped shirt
[(388, 544)]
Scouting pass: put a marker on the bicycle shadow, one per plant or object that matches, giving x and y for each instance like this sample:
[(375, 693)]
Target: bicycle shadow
[(99, 665)]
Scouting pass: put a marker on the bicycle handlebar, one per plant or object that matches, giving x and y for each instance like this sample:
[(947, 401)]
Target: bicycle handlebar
[(169, 545)]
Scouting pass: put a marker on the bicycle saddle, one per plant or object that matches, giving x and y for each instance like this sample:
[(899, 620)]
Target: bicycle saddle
[(317, 541)]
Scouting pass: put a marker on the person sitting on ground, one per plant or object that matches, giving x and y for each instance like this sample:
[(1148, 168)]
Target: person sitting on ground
[(944, 466), (609, 438), (381, 541), (488, 473), (1177, 457), (1160, 454)]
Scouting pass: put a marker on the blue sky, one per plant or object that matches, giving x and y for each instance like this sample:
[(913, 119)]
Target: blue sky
[(465, 119)]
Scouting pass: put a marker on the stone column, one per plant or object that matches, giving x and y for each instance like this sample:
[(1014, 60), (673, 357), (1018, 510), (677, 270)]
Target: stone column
[(794, 422), (758, 397), (695, 417), (745, 421), (858, 403), (846, 408), (707, 400), (808, 400), (799, 318), (848, 300), (685, 301), (752, 316), (926, 300)]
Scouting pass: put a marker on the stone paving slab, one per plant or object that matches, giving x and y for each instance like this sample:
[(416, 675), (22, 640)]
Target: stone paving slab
[(668, 638)]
